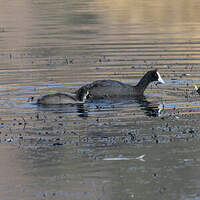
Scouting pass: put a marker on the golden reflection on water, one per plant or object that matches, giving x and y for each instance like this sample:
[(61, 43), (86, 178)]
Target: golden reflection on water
[(156, 11), (15, 21)]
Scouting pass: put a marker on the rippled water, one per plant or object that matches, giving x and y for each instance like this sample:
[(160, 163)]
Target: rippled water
[(129, 149)]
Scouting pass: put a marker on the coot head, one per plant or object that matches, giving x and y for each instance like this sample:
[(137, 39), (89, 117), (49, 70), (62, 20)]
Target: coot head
[(155, 76), (84, 95)]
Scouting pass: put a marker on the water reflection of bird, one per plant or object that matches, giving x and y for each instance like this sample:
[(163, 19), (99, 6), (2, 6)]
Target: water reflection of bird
[(77, 109), (151, 110), (108, 89)]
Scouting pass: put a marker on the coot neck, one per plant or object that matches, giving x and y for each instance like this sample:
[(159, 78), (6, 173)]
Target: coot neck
[(144, 82)]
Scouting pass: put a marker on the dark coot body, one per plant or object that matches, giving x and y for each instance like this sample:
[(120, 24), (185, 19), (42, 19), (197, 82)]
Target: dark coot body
[(107, 89)]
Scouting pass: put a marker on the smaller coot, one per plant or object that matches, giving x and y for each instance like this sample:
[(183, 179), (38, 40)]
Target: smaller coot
[(62, 98)]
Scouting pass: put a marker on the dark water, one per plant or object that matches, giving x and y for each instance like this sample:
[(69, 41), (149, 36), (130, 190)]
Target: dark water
[(130, 149)]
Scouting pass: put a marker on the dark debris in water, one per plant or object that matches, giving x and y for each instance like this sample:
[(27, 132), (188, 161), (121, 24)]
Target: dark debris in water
[(39, 129), (58, 144)]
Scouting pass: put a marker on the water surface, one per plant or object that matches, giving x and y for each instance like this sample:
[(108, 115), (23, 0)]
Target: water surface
[(129, 149)]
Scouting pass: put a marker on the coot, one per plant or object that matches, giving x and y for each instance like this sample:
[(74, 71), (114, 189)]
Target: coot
[(107, 89), (62, 98)]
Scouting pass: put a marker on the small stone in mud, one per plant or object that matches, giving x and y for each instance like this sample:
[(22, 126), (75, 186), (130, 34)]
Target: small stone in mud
[(57, 144), (191, 131), (133, 137), (157, 141), (155, 174), (163, 189), (37, 116), (42, 140), (10, 140), (154, 136)]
